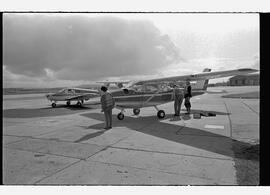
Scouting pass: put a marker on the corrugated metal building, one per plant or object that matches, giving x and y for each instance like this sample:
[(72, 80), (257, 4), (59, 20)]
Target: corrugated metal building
[(240, 80)]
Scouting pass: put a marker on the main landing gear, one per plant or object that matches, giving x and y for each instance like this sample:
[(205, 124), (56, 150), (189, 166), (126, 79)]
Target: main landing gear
[(80, 103), (120, 116), (160, 113)]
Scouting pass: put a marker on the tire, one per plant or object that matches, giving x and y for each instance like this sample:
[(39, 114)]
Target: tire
[(68, 103), (120, 116), (136, 111), (53, 105), (79, 104), (161, 114)]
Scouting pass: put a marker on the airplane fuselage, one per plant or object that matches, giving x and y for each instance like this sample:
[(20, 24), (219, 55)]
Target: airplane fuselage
[(134, 99)]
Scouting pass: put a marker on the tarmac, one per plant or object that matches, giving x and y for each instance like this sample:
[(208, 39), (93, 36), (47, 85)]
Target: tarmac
[(68, 145)]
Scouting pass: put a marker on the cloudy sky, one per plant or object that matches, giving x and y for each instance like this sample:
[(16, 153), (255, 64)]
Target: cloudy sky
[(68, 49)]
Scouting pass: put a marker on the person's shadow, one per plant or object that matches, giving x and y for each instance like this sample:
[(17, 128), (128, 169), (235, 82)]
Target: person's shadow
[(174, 132)]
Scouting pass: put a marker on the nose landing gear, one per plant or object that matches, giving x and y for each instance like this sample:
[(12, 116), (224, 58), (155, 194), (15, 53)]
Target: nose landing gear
[(53, 104), (120, 116)]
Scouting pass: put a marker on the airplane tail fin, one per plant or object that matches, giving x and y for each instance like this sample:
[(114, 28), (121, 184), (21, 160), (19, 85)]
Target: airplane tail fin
[(202, 84)]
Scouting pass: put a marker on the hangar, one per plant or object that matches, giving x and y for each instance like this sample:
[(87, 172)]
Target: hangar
[(241, 80)]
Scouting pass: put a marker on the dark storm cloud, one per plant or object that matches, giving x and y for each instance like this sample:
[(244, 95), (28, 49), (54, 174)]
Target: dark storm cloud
[(81, 47)]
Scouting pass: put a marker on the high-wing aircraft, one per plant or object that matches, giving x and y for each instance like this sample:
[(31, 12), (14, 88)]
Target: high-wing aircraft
[(153, 92), (72, 94)]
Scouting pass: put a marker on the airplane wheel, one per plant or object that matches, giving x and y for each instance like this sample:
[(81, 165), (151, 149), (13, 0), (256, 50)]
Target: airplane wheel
[(79, 104), (53, 105), (161, 114), (120, 116), (136, 111), (68, 103)]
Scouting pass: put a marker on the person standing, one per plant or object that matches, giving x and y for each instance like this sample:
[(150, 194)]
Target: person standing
[(107, 104), (187, 96), (178, 99)]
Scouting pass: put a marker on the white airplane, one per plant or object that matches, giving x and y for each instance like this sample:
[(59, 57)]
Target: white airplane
[(72, 94), (153, 92)]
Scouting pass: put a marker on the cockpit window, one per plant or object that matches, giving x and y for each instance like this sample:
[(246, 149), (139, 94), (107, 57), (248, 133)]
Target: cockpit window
[(164, 87), (70, 91), (138, 88), (62, 91), (126, 91)]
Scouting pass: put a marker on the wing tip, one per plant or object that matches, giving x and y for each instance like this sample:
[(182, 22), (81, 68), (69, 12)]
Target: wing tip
[(247, 69)]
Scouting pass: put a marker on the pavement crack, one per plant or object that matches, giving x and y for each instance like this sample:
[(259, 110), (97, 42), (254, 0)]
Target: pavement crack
[(15, 141), (43, 153), (103, 149), (169, 153), (179, 130)]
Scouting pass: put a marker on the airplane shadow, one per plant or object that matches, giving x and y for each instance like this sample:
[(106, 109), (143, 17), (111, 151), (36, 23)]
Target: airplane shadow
[(188, 136), (70, 107)]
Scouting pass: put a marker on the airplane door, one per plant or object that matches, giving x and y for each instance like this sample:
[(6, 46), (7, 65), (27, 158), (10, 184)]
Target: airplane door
[(151, 95), (135, 97)]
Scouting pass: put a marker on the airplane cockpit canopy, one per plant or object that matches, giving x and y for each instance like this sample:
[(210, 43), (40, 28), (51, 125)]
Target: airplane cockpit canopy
[(62, 91), (66, 90), (128, 91)]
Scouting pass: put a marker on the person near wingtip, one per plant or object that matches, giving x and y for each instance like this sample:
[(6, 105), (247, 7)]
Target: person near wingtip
[(178, 99), (107, 104)]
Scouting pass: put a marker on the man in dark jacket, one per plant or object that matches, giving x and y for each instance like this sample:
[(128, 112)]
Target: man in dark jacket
[(187, 96), (107, 104)]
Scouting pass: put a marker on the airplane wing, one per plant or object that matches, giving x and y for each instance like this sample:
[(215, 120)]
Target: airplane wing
[(84, 96), (200, 76)]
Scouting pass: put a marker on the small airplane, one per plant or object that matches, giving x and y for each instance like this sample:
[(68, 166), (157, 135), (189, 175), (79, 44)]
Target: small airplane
[(153, 92), (147, 93), (72, 94)]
